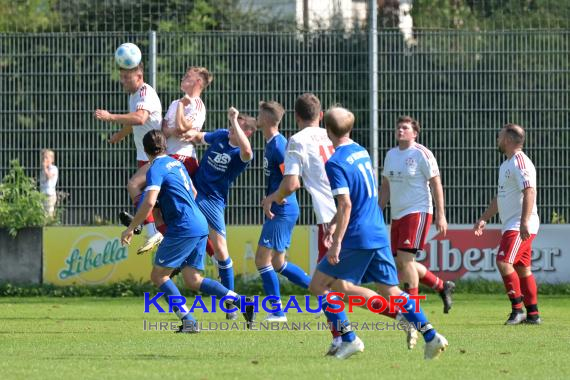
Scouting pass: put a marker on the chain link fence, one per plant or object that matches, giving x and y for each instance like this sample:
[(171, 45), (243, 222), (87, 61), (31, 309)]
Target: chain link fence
[(462, 86)]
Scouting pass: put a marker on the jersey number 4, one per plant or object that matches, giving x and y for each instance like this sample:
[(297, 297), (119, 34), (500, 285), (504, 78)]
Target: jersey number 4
[(368, 174)]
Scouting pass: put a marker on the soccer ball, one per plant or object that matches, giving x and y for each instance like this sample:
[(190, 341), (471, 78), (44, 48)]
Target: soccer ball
[(128, 56)]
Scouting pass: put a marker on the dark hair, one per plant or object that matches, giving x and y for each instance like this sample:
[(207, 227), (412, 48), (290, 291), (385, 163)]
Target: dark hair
[(339, 121), (154, 142), (515, 133), (273, 109), (411, 120), (308, 107)]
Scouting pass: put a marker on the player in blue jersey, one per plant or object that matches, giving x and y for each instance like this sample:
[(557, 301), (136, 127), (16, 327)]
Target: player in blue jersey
[(360, 245), (276, 231), (228, 155), (184, 244)]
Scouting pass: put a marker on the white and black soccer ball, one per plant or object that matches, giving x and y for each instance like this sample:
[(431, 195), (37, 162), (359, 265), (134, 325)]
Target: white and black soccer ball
[(128, 56)]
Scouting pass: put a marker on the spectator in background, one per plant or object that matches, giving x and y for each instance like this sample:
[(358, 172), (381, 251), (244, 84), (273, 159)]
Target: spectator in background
[(48, 181)]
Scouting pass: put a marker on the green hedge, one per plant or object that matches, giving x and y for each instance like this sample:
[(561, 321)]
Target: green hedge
[(133, 288)]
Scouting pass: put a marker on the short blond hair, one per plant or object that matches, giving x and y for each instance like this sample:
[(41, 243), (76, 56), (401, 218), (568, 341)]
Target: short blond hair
[(204, 74), (339, 121), (49, 153)]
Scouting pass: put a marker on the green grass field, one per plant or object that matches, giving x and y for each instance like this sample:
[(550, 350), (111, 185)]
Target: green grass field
[(103, 338)]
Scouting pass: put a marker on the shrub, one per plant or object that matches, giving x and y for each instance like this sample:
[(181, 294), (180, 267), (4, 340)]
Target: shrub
[(20, 201)]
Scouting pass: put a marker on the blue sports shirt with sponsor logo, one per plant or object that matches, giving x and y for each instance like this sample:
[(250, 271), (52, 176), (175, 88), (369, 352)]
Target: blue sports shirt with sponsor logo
[(219, 167)]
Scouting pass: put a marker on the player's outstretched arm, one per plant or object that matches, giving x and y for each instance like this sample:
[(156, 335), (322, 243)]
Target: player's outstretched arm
[(384, 193), (289, 184), (194, 137), (148, 202), (245, 151), (183, 124), (491, 210), (437, 189), (138, 117)]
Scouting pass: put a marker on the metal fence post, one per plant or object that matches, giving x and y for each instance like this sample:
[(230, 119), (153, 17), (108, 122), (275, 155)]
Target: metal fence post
[(152, 59), (373, 79)]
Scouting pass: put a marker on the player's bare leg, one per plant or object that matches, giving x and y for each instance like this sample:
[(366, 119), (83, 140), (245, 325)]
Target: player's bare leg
[(405, 262)]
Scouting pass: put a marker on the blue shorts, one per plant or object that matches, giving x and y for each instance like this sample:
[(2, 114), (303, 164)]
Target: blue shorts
[(276, 232), (374, 265), (177, 252), (213, 210)]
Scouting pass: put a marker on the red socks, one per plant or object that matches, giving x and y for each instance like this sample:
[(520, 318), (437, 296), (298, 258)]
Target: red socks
[(530, 294), (513, 288), (432, 281)]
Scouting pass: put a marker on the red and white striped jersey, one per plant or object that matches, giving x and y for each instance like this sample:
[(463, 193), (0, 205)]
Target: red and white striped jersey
[(515, 175), (194, 112), (408, 172), (305, 156), (145, 98)]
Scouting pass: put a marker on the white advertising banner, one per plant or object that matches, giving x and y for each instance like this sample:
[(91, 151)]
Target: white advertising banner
[(462, 255)]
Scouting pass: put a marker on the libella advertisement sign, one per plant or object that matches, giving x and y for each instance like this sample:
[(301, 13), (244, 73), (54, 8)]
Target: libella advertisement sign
[(94, 255), (462, 255), (91, 256)]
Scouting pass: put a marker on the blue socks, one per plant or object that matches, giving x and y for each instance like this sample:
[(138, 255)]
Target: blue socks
[(271, 285), (339, 320), (295, 274), (169, 288), (419, 319), (214, 288), (226, 271)]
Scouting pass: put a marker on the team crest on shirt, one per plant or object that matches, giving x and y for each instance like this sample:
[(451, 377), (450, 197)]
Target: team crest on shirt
[(507, 173), (266, 167), (411, 163)]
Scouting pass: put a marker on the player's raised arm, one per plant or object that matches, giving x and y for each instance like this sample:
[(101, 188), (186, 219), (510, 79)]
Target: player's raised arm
[(245, 151)]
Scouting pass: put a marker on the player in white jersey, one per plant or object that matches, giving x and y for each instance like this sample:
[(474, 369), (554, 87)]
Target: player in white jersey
[(516, 204), (184, 114), (410, 169), (145, 114), (305, 157)]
